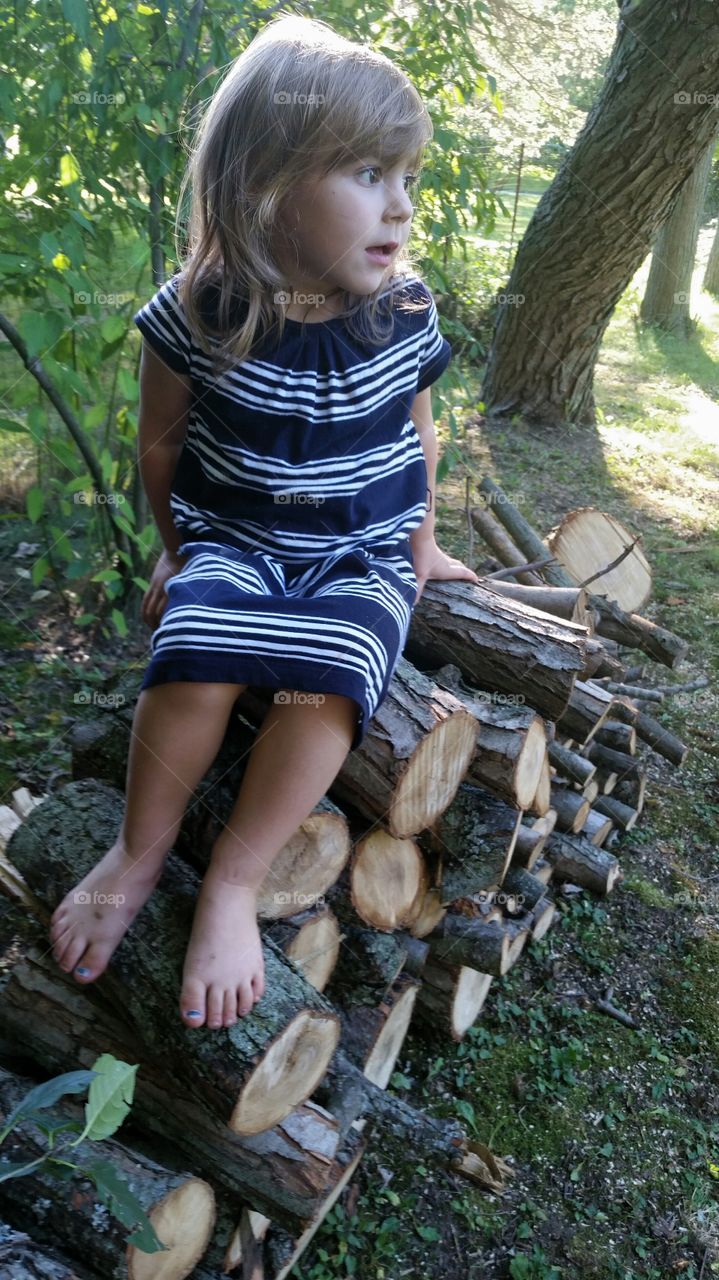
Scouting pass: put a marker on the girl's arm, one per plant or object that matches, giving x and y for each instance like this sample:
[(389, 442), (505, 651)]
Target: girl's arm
[(429, 561), (165, 401)]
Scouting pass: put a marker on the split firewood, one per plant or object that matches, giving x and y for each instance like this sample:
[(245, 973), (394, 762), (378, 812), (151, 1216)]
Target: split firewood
[(575, 859), (258, 1069), (511, 744), (629, 629), (498, 644), (180, 1206), (594, 547)]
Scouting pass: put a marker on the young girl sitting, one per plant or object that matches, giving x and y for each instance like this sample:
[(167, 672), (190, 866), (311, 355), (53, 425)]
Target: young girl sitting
[(288, 452)]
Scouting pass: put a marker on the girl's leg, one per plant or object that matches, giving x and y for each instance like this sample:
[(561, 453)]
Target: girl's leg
[(176, 733), (299, 751)]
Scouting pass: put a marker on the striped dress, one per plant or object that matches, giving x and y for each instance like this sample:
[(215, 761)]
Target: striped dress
[(299, 482)]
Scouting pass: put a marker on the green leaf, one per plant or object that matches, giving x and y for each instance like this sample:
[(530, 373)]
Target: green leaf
[(35, 503), (18, 1168), (9, 424), (45, 1095), (110, 1097), (112, 328), (40, 570), (115, 1192), (76, 13), (119, 620)]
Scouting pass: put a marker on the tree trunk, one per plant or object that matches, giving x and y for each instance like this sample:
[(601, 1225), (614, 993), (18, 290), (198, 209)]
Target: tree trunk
[(711, 275), (594, 226), (667, 297)]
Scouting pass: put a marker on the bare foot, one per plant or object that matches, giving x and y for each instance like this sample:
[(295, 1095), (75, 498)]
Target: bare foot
[(93, 917), (223, 974)]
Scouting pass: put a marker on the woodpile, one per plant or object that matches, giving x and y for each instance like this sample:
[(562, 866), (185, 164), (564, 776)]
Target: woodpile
[(504, 765)]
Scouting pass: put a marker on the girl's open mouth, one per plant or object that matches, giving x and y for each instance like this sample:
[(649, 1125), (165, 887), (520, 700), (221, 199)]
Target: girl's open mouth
[(382, 253)]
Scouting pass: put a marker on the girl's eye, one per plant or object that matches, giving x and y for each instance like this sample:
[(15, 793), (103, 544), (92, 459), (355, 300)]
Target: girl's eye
[(410, 178)]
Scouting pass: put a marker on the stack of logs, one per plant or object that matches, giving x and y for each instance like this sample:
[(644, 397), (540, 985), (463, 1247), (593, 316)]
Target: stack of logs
[(503, 762)]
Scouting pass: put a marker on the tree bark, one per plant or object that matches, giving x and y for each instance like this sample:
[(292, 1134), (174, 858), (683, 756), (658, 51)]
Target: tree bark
[(594, 226), (667, 297)]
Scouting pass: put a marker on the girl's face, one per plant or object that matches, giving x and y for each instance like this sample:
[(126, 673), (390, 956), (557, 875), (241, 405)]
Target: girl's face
[(337, 218)]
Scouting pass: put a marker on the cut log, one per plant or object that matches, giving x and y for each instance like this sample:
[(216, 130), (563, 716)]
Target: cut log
[(474, 839), (626, 766), (542, 800), (180, 1207), (572, 808), (311, 940), (475, 943), (631, 791), (451, 997), (618, 736), (569, 603), (589, 706), (597, 827), (528, 847), (652, 732), (372, 1037), (576, 860), (524, 887), (629, 629), (587, 541), (389, 880), (606, 780), (286, 1171), (570, 764), (258, 1069), (500, 543), (21, 1258), (498, 644), (511, 745), (622, 815), (590, 790), (414, 756)]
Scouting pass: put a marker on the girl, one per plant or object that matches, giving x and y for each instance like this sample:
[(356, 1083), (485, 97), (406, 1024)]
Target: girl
[(287, 449)]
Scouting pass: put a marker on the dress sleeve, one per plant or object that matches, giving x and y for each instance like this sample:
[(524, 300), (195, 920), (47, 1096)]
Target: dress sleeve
[(162, 323), (436, 352)]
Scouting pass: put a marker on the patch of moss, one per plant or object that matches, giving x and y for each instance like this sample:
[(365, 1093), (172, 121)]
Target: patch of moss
[(650, 894), (692, 995)]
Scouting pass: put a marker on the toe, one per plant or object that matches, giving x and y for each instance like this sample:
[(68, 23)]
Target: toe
[(229, 1013), (192, 1003), (215, 1006), (258, 984), (91, 962), (245, 998)]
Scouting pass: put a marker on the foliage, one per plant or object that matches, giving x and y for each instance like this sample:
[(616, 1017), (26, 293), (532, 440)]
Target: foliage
[(112, 1085)]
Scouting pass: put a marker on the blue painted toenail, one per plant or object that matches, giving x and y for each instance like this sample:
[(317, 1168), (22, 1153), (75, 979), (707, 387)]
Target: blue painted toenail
[(79, 970), (193, 1013)]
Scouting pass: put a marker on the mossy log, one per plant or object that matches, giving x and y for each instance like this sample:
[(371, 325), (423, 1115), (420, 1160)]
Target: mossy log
[(255, 1071)]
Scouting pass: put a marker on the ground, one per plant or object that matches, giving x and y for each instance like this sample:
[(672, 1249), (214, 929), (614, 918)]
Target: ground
[(612, 1131)]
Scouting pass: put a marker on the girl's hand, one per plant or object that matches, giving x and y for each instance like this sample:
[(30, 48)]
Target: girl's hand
[(154, 601), (430, 562)]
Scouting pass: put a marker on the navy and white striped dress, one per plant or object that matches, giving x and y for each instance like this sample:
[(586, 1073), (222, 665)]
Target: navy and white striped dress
[(300, 480)]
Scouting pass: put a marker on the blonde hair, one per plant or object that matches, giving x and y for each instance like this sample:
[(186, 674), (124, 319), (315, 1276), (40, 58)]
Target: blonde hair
[(299, 100)]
